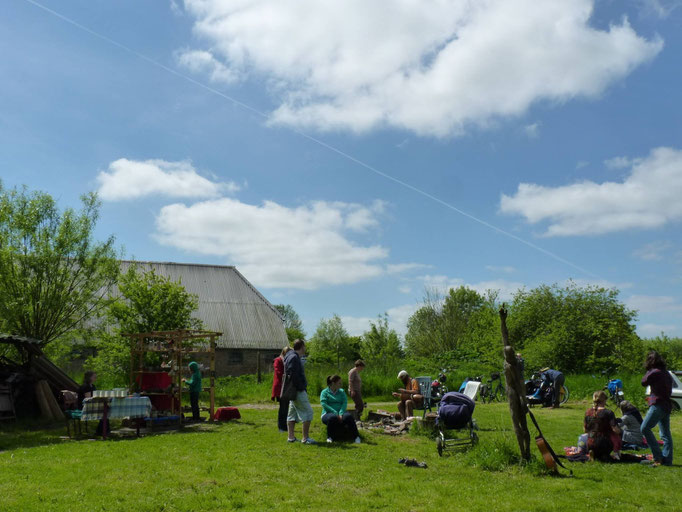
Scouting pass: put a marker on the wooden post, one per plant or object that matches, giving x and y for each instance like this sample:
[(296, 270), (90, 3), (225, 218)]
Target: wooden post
[(212, 377), (132, 364), (516, 392), (258, 378)]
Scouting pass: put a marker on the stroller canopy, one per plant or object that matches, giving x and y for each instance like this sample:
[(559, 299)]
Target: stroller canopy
[(455, 410)]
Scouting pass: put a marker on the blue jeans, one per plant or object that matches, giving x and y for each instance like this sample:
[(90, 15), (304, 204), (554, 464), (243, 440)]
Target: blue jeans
[(657, 415)]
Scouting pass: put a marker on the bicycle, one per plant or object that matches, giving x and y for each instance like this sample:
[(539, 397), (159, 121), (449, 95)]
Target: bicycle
[(493, 389)]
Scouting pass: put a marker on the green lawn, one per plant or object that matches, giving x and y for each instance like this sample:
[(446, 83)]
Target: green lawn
[(248, 465)]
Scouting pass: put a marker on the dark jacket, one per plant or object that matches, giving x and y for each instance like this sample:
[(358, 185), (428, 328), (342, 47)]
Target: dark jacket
[(85, 388), (551, 375), (294, 367), (661, 384)]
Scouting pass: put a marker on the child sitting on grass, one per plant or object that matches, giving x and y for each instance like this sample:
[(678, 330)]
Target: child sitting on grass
[(194, 383)]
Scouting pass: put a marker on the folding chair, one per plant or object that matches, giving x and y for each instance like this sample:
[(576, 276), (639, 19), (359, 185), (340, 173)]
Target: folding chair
[(425, 391), (471, 389)]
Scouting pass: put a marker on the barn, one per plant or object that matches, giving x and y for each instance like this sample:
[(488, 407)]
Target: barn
[(252, 328)]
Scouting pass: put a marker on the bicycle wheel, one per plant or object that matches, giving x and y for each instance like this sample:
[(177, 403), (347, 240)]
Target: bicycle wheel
[(563, 395), (484, 393)]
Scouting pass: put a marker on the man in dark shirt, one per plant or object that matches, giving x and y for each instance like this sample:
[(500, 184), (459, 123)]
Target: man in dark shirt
[(299, 408), (556, 379), (86, 389)]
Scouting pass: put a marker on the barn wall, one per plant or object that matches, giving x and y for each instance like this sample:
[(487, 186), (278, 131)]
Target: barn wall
[(235, 362)]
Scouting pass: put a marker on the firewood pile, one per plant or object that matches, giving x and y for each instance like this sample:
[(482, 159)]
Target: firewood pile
[(384, 422)]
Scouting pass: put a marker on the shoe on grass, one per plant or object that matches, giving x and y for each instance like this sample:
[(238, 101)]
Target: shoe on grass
[(292, 440), (330, 440), (358, 440), (309, 440), (283, 431)]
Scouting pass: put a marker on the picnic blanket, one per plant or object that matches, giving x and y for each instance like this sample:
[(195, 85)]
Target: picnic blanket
[(129, 407)]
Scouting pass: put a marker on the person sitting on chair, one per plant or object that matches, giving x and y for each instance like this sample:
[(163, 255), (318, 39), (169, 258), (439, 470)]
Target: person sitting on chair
[(409, 395), (340, 424)]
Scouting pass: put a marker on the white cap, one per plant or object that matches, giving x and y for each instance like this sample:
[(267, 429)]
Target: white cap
[(402, 374)]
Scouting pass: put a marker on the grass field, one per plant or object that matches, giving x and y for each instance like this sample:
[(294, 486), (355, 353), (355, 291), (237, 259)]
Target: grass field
[(248, 465)]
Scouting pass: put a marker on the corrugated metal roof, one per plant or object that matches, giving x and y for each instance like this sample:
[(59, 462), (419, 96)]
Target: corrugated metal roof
[(228, 303)]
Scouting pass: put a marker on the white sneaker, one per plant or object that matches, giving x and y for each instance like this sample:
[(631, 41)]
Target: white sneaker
[(329, 440), (358, 440)]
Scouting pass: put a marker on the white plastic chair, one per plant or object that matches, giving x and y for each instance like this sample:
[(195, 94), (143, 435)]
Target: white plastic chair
[(471, 389)]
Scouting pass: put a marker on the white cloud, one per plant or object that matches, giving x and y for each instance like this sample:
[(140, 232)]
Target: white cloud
[(618, 162), (429, 66), (200, 61), (654, 304), (397, 319), (279, 247), (659, 8), (649, 197), (501, 269), (653, 251), (581, 164), (132, 179), (532, 131), (400, 268)]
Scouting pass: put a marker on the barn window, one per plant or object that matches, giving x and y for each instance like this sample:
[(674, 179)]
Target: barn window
[(235, 357)]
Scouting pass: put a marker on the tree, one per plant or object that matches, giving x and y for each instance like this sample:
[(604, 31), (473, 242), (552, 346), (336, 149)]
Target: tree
[(574, 328), (53, 275), (381, 345), (151, 302), (148, 302), (330, 343), (292, 322), (443, 323)]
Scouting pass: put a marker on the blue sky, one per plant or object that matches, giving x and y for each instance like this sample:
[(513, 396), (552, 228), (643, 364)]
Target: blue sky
[(557, 123)]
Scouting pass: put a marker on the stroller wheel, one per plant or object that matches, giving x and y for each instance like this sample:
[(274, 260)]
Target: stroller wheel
[(439, 446), (474, 438)]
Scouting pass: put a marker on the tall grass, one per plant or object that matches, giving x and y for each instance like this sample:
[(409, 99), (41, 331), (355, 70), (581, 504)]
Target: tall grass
[(379, 383)]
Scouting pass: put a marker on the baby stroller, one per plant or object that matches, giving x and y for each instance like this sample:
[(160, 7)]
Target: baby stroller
[(455, 413)]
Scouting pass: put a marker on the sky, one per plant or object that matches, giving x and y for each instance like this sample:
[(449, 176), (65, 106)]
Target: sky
[(346, 156)]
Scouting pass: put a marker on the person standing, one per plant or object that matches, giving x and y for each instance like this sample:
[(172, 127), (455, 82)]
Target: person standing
[(277, 378), (555, 379), (340, 423), (660, 407), (355, 387), (194, 383), (86, 389), (299, 407)]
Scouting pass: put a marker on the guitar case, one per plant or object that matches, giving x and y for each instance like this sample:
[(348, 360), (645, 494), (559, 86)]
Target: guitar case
[(550, 458)]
